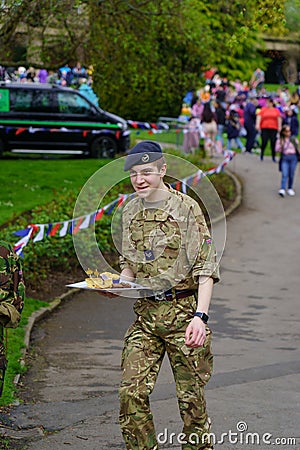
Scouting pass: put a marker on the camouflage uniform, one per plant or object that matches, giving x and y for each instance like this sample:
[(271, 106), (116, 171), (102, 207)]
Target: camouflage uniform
[(12, 294), (176, 237)]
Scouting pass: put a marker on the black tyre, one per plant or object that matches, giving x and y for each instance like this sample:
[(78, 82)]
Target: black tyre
[(103, 147), (1, 147)]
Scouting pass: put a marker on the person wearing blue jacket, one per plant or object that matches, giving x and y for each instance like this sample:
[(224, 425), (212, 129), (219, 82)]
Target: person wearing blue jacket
[(249, 122), (233, 128)]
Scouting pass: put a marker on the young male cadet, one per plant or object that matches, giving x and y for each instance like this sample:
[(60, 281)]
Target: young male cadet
[(167, 247)]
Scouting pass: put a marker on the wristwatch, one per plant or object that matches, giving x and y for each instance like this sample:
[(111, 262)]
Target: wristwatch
[(204, 317)]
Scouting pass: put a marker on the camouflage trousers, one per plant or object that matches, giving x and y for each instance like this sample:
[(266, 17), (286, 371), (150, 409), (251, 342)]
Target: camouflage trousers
[(160, 328)]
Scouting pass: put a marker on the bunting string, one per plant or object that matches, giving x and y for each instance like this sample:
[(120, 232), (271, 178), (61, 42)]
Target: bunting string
[(179, 126), (156, 128), (37, 232)]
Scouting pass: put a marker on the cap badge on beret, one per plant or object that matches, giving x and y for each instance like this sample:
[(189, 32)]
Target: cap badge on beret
[(145, 158), (142, 153)]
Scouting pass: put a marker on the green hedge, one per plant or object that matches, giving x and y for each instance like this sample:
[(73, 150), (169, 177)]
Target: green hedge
[(54, 253)]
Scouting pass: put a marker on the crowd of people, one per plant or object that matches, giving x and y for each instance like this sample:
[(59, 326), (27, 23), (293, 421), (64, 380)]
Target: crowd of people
[(64, 76), (77, 77), (225, 114), (244, 115)]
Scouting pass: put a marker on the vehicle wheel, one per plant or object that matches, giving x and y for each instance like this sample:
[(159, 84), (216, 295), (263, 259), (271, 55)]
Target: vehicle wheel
[(1, 148), (103, 147)]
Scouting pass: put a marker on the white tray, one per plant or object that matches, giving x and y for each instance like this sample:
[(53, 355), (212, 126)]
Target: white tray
[(133, 291)]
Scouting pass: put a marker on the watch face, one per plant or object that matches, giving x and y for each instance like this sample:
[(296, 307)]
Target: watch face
[(204, 317)]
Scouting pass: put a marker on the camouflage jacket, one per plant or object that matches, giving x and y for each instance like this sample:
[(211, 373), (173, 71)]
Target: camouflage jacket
[(12, 288), (168, 245)]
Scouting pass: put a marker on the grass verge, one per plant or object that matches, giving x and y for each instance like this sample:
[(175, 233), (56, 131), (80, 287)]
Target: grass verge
[(15, 340), (26, 182)]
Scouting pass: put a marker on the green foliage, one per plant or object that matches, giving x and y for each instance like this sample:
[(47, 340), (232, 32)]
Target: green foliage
[(39, 181), (49, 191), (39, 19), (49, 253), (172, 136), (148, 55), (270, 15), (142, 50), (292, 13), (55, 253)]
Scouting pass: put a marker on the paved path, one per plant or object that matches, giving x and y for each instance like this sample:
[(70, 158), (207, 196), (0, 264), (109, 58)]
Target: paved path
[(71, 389)]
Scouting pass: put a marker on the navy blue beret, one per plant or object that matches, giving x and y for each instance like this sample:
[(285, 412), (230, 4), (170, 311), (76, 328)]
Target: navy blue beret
[(143, 153)]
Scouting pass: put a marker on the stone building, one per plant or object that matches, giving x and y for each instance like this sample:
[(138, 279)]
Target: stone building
[(285, 59)]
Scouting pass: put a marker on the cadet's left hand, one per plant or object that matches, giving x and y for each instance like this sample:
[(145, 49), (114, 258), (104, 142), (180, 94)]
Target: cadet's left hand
[(195, 333)]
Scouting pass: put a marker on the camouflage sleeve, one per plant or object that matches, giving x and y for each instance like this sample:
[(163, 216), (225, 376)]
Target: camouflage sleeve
[(123, 263), (206, 260), (19, 285), (12, 287), (128, 253)]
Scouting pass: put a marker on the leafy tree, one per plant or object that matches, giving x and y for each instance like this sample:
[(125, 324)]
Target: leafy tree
[(54, 31), (138, 56), (146, 54), (292, 13), (270, 16)]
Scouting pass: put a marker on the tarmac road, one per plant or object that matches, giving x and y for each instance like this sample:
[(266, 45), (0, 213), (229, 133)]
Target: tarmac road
[(253, 397)]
